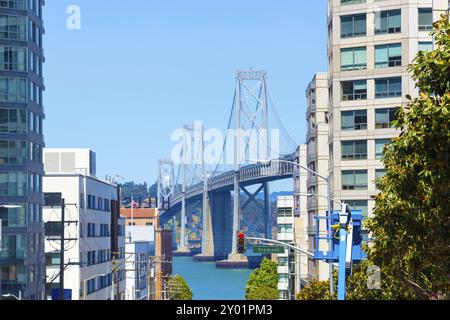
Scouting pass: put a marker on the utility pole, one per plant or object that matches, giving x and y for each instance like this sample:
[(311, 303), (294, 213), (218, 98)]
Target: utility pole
[(61, 261)]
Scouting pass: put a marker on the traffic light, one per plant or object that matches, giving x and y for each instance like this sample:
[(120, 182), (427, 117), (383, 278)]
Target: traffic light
[(241, 243)]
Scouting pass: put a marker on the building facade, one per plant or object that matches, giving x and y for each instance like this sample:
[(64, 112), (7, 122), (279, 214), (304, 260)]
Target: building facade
[(286, 261), (370, 46), (138, 281), (22, 260), (301, 219), (95, 246), (317, 160)]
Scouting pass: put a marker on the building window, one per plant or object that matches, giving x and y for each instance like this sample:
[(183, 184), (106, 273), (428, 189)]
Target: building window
[(13, 58), (13, 27), (354, 180), (379, 147), (285, 228), (385, 117), (13, 184), (388, 55), (380, 173), (91, 258), (354, 150), (353, 59), (388, 88), (13, 90), (349, 2), (354, 120), (388, 22), (13, 4), (358, 205), (354, 90), (13, 246), (425, 19), (285, 212), (91, 230), (13, 152), (13, 121), (16, 216), (353, 25), (426, 46)]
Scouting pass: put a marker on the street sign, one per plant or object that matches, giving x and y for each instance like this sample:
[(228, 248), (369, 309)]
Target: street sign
[(267, 249)]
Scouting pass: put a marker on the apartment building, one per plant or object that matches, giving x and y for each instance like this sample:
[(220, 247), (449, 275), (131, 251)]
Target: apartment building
[(317, 160), (286, 260), (95, 246), (370, 44), (22, 263), (301, 219)]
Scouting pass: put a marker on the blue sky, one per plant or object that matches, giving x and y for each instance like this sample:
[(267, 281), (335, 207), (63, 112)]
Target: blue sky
[(139, 69)]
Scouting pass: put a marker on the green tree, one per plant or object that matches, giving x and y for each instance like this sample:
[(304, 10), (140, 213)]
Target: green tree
[(178, 289), (318, 290), (411, 221), (262, 283)]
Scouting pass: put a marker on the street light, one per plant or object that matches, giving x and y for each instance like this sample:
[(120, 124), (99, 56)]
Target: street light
[(90, 278), (327, 180)]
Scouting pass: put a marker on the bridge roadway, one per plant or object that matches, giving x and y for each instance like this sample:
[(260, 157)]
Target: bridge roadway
[(253, 174)]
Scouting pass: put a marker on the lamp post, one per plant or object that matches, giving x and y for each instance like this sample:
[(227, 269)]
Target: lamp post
[(327, 180)]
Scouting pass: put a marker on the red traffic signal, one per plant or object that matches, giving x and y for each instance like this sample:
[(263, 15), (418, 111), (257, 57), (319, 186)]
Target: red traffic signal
[(241, 243)]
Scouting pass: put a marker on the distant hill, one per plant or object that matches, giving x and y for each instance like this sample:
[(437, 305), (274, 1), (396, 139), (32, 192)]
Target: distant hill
[(274, 195)]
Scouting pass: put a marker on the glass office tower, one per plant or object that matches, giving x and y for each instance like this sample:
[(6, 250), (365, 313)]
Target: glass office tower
[(22, 257)]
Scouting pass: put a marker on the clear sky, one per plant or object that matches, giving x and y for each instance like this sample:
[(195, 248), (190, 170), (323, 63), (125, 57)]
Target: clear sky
[(139, 69)]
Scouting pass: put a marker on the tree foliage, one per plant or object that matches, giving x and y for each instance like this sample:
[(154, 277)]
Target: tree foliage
[(318, 290), (178, 289), (262, 283), (411, 221)]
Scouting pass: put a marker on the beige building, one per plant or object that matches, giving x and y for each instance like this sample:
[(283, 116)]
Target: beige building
[(317, 160), (370, 45)]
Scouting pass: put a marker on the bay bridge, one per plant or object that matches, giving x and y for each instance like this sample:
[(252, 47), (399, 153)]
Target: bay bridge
[(219, 186)]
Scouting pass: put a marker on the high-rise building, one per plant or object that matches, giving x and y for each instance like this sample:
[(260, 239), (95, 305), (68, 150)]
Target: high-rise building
[(317, 160), (370, 46), (22, 259)]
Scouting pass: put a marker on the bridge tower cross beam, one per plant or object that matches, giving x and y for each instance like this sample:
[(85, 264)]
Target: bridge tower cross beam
[(264, 187)]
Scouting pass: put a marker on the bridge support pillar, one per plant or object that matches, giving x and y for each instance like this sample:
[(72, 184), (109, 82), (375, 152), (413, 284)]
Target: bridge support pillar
[(222, 224), (267, 211), (207, 231)]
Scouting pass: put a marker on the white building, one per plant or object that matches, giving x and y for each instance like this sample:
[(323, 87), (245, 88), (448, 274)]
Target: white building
[(94, 251), (286, 260), (140, 248)]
